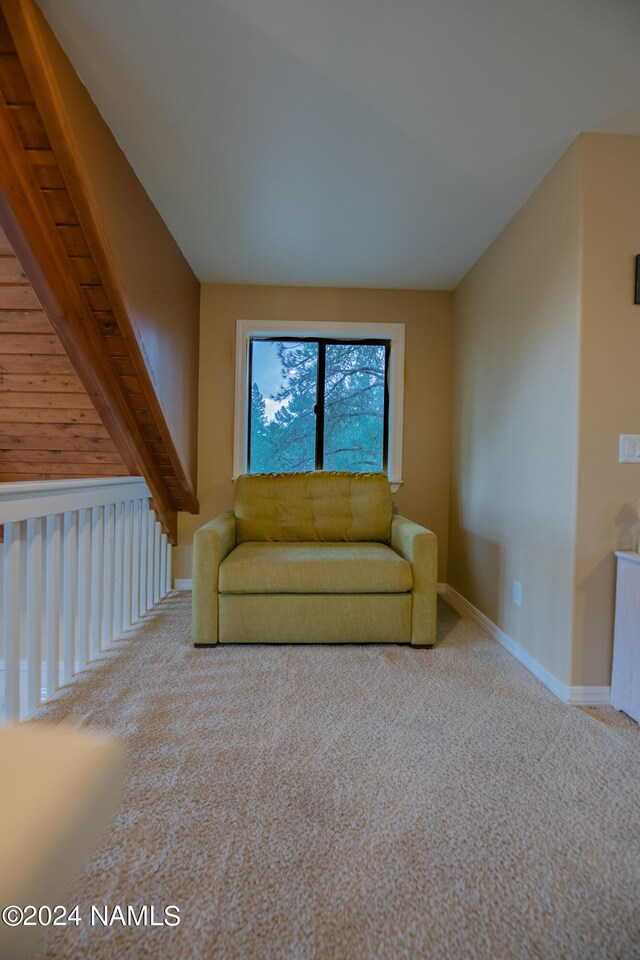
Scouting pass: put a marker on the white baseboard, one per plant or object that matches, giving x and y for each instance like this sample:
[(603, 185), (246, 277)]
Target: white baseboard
[(578, 696), (589, 696)]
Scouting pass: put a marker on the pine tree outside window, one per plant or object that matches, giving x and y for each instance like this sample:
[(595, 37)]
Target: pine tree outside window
[(318, 404)]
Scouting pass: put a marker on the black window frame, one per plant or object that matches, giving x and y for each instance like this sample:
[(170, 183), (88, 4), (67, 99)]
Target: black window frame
[(318, 408)]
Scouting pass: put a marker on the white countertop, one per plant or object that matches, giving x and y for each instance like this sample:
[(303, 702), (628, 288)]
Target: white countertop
[(628, 555)]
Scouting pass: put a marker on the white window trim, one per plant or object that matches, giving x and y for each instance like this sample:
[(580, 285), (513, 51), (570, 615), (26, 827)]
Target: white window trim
[(246, 329)]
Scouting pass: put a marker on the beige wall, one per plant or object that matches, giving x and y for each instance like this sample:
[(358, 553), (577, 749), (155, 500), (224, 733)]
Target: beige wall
[(513, 475), (161, 291), (608, 491), (427, 402)]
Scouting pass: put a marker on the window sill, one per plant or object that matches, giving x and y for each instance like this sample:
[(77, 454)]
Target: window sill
[(395, 484)]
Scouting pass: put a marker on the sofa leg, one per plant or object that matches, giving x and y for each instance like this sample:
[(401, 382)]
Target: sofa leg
[(421, 646), (201, 646)]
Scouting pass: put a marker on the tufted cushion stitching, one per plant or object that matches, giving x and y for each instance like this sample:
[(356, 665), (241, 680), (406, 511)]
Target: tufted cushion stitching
[(323, 506)]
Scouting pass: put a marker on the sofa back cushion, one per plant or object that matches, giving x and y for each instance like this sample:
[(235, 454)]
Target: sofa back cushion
[(322, 506)]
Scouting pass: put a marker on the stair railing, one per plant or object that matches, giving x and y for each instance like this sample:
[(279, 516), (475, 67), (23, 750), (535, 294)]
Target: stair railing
[(81, 562)]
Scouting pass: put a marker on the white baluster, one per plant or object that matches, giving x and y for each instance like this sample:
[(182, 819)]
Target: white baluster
[(109, 575), (33, 619), (69, 593), (97, 580), (127, 566), (52, 578), (169, 567), (156, 561), (151, 532), (163, 564), (135, 561), (11, 618), (144, 524), (1, 615), (84, 585), (118, 571), (73, 580)]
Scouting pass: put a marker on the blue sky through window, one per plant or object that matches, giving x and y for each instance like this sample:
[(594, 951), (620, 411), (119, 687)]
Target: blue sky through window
[(267, 373)]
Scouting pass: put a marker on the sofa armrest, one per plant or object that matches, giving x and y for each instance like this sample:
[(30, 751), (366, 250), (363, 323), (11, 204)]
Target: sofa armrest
[(211, 544), (419, 547)]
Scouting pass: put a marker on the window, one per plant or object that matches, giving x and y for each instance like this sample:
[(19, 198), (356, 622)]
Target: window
[(327, 405), (319, 397)]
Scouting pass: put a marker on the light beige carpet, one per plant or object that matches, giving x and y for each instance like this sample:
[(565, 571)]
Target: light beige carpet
[(347, 803)]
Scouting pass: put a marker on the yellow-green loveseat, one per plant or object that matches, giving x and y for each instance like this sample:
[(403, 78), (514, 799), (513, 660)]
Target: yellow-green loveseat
[(314, 558)]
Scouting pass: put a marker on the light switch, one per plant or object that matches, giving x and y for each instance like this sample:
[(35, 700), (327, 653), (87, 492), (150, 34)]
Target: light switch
[(629, 448)]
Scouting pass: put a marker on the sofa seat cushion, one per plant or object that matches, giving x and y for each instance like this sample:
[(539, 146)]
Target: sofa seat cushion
[(271, 567)]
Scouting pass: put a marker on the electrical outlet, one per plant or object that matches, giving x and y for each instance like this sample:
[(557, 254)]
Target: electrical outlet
[(629, 451), (517, 593)]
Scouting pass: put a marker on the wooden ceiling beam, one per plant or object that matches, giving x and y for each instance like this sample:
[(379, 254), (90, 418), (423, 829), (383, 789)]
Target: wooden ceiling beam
[(21, 17), (30, 228)]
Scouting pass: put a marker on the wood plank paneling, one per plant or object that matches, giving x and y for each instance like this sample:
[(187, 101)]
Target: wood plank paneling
[(24, 321), (45, 443), (46, 169), (151, 433), (26, 119), (158, 449), (79, 459), (58, 457), (145, 417), (11, 271), (30, 343), (85, 270), (46, 415), (123, 366), (173, 484), (30, 383), (132, 385), (116, 346), (60, 207), (15, 297), (54, 432), (44, 400), (138, 402), (19, 470), (6, 42), (13, 81), (74, 240), (5, 246), (30, 363), (43, 435), (98, 299), (107, 323)]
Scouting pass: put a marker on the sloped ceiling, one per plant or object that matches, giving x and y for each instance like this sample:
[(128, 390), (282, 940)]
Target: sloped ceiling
[(349, 142)]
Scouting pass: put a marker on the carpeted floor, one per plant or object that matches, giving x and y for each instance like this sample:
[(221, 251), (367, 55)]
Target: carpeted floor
[(348, 803)]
